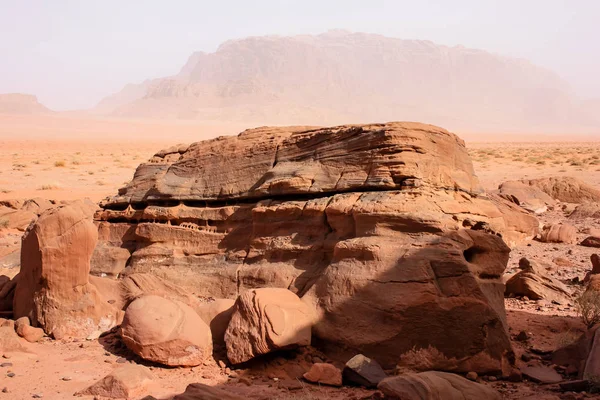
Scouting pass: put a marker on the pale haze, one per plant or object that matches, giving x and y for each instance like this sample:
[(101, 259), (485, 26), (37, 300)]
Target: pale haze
[(71, 54)]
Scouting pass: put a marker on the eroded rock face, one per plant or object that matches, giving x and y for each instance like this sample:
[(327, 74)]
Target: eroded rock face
[(53, 288), (266, 320), (378, 228)]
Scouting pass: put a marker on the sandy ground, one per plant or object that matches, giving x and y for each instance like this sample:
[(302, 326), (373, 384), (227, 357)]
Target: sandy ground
[(65, 165), (495, 163)]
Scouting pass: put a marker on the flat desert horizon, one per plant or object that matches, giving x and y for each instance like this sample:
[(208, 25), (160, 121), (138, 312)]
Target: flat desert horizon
[(70, 156)]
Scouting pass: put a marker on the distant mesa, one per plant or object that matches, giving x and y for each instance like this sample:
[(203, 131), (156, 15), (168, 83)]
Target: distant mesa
[(18, 103), (340, 77)]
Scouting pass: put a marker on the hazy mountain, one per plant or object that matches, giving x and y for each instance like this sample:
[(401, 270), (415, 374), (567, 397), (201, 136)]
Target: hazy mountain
[(18, 103), (341, 77)]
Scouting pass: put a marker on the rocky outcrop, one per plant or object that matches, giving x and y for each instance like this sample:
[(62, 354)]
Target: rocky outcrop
[(266, 320), (529, 197), (534, 283), (435, 385), (383, 230), (18, 214), (566, 189), (559, 233), (519, 225), (9, 340), (585, 210), (325, 374), (167, 332), (54, 288)]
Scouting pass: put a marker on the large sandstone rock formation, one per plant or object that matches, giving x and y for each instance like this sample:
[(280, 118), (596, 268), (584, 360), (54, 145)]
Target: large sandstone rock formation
[(383, 229), (54, 288)]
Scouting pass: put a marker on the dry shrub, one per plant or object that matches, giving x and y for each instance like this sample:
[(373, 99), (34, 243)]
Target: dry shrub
[(3, 223), (567, 338), (49, 186), (425, 359), (60, 163), (588, 307)]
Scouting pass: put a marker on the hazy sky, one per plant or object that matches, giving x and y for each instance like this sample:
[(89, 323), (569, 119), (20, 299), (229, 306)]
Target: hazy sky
[(71, 53)]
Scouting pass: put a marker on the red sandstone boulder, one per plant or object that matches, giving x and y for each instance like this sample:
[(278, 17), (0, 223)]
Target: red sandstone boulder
[(325, 374), (585, 210), (199, 391), (10, 342), (126, 382), (529, 197), (18, 214), (265, 320), (566, 189), (533, 282), (165, 331), (53, 289), (559, 233), (435, 385), (28, 332)]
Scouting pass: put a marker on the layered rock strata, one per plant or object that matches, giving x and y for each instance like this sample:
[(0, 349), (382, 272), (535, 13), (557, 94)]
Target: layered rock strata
[(383, 229)]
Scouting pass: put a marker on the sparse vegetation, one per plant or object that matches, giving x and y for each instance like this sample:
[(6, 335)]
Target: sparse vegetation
[(49, 186), (588, 307), (3, 223), (566, 338), (60, 163)]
